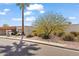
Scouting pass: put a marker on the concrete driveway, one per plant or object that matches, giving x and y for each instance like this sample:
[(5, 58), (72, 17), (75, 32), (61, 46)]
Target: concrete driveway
[(11, 48)]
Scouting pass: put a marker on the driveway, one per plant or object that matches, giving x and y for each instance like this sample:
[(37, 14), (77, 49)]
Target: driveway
[(13, 48)]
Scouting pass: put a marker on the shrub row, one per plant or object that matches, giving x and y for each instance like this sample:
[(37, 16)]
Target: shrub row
[(72, 36), (29, 36), (68, 37)]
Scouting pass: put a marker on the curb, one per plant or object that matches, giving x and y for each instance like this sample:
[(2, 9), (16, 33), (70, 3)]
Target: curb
[(44, 43)]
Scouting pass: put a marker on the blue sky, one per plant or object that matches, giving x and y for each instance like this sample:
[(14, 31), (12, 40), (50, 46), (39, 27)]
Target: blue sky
[(11, 14)]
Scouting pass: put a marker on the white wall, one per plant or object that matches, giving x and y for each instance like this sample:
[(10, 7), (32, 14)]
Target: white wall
[(27, 29)]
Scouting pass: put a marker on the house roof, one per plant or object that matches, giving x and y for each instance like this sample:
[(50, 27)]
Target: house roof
[(8, 28)]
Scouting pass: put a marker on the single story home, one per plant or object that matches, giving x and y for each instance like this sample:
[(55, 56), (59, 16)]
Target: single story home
[(12, 29), (7, 30)]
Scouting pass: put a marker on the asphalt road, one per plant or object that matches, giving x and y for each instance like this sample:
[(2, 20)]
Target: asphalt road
[(13, 48)]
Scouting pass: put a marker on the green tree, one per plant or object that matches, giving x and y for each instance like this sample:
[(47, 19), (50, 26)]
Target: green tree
[(50, 23), (5, 25)]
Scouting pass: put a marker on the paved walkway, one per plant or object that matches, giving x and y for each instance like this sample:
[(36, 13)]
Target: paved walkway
[(9, 47)]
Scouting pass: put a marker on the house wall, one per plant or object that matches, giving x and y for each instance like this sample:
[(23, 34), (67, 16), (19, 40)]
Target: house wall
[(2, 32), (73, 28), (27, 29)]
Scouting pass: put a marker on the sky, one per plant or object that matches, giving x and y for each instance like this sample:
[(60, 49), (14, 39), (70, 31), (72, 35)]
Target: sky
[(11, 13)]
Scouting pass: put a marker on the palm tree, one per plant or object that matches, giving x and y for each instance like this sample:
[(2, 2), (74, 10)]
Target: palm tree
[(22, 7)]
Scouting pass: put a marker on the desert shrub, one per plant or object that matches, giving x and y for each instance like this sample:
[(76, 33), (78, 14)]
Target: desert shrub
[(34, 33), (29, 36), (68, 37), (18, 34), (44, 36), (74, 33), (49, 23), (77, 39), (60, 34), (40, 35), (54, 33)]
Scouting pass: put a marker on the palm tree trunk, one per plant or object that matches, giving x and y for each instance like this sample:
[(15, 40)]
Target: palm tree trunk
[(22, 18), (22, 23)]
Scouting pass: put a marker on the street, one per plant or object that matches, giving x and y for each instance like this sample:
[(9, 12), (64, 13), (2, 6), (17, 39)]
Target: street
[(13, 48)]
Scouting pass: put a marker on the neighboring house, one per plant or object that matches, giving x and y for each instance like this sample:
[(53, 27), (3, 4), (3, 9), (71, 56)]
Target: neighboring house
[(73, 28), (28, 29), (7, 30), (11, 29)]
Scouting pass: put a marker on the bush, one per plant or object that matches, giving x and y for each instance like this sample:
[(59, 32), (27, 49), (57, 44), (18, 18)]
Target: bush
[(18, 34), (75, 33), (54, 33), (60, 34), (34, 33), (39, 35), (48, 23), (45, 37), (29, 36), (77, 39), (68, 37)]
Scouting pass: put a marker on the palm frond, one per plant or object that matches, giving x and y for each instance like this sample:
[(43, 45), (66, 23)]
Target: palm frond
[(25, 4)]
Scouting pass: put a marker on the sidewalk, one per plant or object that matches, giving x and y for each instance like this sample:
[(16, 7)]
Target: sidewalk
[(42, 42)]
